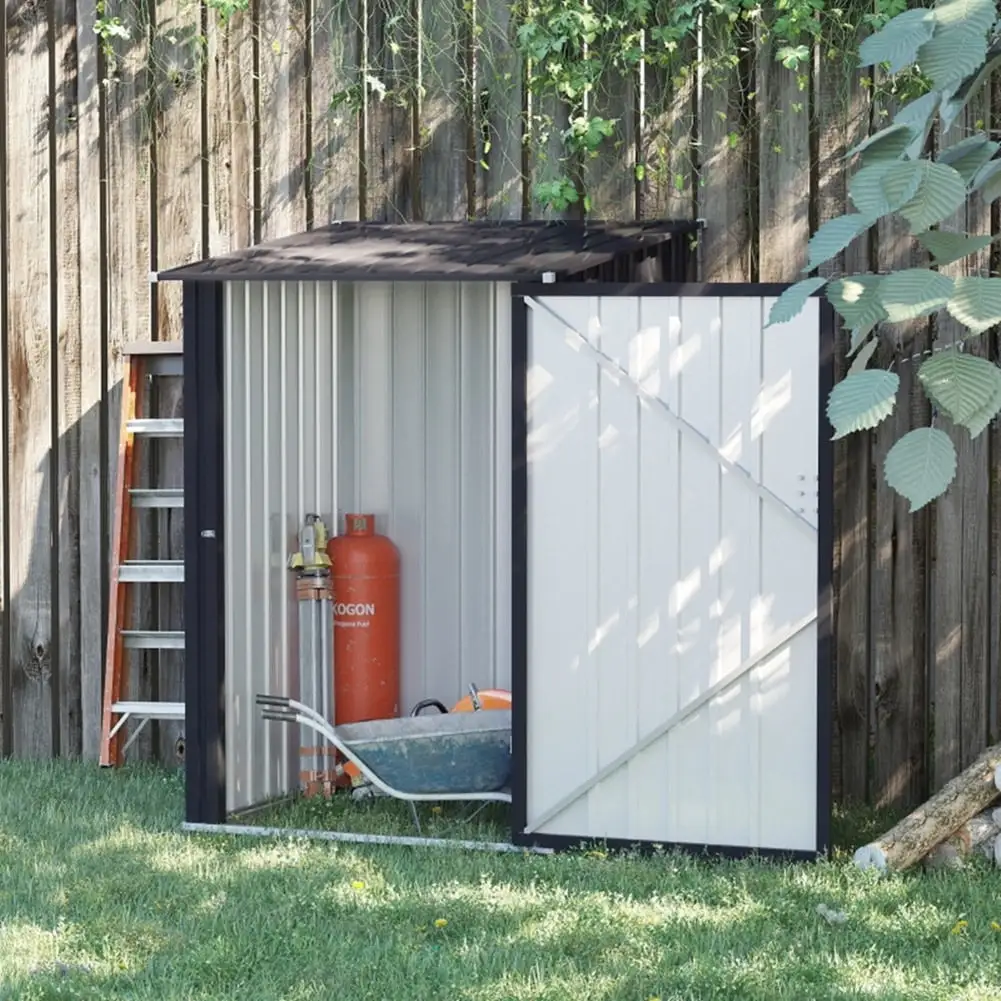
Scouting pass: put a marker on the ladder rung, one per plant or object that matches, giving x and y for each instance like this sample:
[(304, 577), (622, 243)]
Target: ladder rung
[(150, 710), (157, 427), (152, 571), (153, 639), (157, 498)]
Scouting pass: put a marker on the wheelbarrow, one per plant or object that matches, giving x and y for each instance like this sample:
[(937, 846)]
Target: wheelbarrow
[(459, 756)]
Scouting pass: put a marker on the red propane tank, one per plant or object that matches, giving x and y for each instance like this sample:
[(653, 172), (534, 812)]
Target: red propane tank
[(366, 584)]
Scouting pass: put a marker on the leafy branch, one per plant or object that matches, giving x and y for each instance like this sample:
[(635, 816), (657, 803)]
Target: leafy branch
[(956, 46)]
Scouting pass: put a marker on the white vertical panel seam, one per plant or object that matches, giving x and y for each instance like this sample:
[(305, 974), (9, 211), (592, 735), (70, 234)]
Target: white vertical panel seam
[(459, 330), (335, 341), (265, 487), (759, 582), (283, 462), (247, 583), (300, 404), (230, 576), (425, 480), (357, 391)]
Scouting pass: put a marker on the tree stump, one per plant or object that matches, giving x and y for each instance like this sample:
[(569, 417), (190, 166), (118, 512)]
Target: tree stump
[(941, 816)]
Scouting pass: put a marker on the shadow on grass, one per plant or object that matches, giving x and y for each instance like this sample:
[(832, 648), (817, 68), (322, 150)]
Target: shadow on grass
[(95, 876)]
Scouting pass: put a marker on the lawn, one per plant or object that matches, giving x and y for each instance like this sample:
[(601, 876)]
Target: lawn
[(102, 898)]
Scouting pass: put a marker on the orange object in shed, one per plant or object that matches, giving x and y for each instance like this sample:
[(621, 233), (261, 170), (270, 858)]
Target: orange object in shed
[(366, 584), (490, 698)]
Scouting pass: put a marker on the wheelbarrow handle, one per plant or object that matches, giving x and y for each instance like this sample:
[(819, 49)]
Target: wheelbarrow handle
[(279, 717), (427, 704), (273, 700)]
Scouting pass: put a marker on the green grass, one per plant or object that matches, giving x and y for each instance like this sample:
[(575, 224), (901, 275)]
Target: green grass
[(102, 898)]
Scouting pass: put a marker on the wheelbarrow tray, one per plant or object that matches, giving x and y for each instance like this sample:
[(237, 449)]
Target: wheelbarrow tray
[(452, 753)]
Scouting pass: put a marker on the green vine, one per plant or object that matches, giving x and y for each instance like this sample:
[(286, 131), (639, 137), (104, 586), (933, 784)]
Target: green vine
[(577, 48)]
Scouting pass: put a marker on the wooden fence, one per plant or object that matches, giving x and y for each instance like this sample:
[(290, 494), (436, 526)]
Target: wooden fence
[(135, 137)]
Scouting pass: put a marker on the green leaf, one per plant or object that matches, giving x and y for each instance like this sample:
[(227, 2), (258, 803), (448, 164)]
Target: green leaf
[(920, 466), (886, 145), (834, 235), (861, 400), (856, 298), (941, 192), (988, 181), (914, 292), (960, 384), (918, 116), (969, 155), (898, 41), (882, 188), (862, 358), (947, 247), (953, 107), (954, 52), (977, 424), (792, 300), (972, 15), (976, 302)]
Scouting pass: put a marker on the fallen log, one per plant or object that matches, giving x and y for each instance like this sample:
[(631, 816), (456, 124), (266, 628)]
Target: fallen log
[(953, 805), (976, 836)]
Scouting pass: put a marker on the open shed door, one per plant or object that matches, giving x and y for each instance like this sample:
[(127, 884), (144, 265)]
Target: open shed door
[(671, 676)]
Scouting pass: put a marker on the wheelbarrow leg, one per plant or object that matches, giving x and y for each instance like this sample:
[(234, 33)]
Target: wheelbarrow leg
[(413, 813)]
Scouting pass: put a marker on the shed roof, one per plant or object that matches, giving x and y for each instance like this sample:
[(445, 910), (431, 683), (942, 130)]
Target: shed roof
[(449, 251)]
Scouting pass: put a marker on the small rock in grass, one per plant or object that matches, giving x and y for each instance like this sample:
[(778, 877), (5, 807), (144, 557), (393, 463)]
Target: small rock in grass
[(829, 914)]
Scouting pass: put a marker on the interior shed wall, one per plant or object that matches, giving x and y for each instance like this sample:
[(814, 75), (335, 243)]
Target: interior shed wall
[(425, 446), (381, 398)]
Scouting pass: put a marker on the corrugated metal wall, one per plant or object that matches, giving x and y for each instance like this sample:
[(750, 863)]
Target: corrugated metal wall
[(420, 382), (425, 446), (280, 457), (657, 569)]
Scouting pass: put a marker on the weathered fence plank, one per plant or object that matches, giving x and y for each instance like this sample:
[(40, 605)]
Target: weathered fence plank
[(282, 106), (65, 268), (898, 620), (33, 654), (230, 110), (130, 255), (726, 143), (501, 180), (93, 521), (841, 113), (177, 95), (783, 168), (336, 88), (442, 114)]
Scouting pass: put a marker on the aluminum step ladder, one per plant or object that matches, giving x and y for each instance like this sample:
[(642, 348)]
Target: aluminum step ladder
[(154, 358)]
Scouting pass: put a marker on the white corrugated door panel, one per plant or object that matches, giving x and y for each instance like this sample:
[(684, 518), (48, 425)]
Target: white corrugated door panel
[(787, 681), (675, 527), (562, 454)]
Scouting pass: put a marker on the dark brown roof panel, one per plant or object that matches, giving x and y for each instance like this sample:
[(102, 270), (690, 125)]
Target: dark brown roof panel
[(449, 251)]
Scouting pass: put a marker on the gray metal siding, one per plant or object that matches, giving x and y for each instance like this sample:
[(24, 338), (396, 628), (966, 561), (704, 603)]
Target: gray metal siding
[(280, 364)]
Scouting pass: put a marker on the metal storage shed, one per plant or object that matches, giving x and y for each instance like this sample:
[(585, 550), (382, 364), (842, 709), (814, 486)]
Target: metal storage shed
[(611, 490)]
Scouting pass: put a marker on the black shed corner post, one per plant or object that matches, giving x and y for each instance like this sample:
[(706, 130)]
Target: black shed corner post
[(519, 567), (826, 664), (204, 584)]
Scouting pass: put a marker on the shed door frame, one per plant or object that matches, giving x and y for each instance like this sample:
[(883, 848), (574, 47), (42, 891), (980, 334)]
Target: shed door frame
[(520, 296)]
